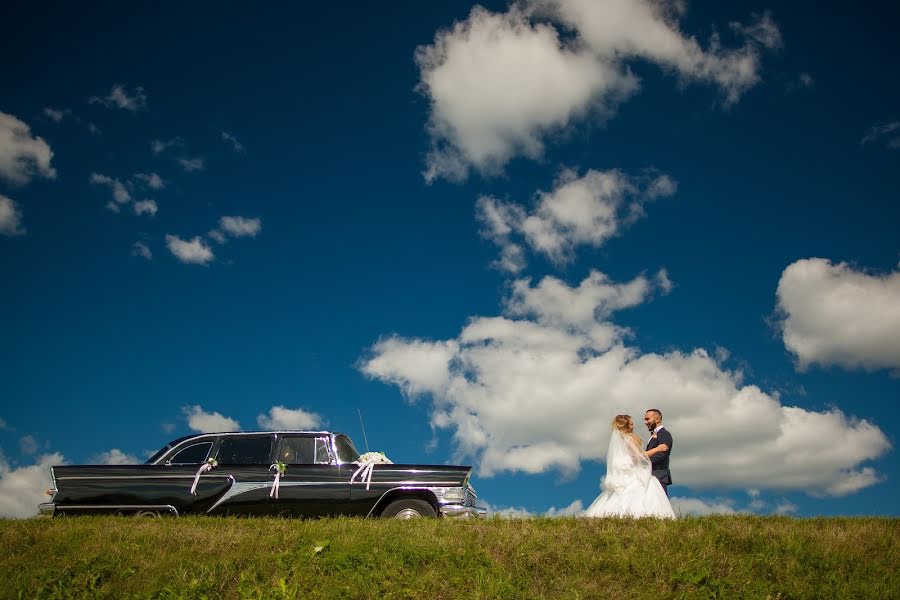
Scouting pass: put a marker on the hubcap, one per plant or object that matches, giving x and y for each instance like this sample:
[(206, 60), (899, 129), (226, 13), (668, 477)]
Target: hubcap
[(408, 513)]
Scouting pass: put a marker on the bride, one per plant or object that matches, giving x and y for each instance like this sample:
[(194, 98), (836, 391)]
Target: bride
[(629, 490)]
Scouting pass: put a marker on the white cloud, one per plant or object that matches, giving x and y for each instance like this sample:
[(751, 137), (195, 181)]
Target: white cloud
[(152, 180), (217, 236), (806, 80), (586, 210), (500, 83), (887, 134), (3, 424), (194, 251), (120, 192), (119, 97), (208, 422), (147, 206), (160, 146), (280, 417), (10, 217), (506, 512), (22, 488), (240, 226), (575, 509), (141, 249), (238, 147), (190, 165), (832, 314), (114, 457), (22, 156), (534, 390), (699, 507)]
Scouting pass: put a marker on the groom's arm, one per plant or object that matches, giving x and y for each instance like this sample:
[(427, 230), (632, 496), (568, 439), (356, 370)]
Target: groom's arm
[(664, 437)]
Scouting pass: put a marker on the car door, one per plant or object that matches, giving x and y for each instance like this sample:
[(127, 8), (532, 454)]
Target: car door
[(314, 484), (246, 458)]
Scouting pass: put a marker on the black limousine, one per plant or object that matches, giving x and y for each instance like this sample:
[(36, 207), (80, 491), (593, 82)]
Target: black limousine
[(278, 473)]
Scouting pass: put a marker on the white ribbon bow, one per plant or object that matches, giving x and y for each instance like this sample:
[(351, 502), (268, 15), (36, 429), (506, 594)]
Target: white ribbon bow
[(365, 472), (280, 470), (209, 465)]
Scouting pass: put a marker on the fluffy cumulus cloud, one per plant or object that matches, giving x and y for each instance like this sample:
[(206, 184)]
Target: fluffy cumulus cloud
[(146, 207), (833, 314), (500, 83), (22, 488), (699, 506), (10, 217), (120, 192), (119, 97), (114, 457), (235, 227), (534, 390), (280, 417), (22, 156), (151, 180), (580, 210), (193, 251), (208, 422)]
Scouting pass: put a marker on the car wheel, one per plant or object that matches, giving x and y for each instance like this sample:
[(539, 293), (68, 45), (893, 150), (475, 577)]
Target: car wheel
[(408, 508), (147, 513)]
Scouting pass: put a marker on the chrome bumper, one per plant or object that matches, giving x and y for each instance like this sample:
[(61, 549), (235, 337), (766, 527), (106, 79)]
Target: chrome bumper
[(46, 509), (464, 512)]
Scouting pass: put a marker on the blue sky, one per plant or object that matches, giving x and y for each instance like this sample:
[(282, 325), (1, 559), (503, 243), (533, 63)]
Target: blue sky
[(705, 226)]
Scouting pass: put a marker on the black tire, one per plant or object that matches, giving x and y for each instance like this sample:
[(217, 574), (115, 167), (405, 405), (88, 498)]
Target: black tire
[(147, 513), (408, 508)]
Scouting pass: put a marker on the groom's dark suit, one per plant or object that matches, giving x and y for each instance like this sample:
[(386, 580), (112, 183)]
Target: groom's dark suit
[(660, 460)]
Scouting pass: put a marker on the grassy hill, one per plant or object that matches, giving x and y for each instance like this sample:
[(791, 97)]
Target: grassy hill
[(706, 557)]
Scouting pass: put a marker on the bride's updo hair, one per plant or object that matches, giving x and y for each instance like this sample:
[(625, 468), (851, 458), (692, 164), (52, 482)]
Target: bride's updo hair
[(622, 423)]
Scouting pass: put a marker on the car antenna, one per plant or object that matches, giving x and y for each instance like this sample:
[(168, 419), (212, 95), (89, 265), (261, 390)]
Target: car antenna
[(365, 439)]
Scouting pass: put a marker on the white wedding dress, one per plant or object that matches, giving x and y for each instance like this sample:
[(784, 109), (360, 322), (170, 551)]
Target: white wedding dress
[(629, 490)]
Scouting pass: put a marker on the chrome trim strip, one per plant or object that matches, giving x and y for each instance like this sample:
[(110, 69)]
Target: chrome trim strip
[(167, 507), (238, 488), (408, 482), (459, 511), (133, 477)]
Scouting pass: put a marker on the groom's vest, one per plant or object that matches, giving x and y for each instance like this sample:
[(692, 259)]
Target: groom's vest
[(661, 460)]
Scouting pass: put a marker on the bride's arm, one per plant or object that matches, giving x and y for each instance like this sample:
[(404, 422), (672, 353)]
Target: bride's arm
[(636, 444)]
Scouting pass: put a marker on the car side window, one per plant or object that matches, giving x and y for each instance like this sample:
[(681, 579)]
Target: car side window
[(192, 455), (239, 450), (345, 449), (303, 450)]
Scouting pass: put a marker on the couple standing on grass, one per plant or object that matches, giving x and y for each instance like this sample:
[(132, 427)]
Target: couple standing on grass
[(637, 481)]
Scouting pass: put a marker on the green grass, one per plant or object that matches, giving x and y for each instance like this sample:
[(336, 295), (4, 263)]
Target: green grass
[(202, 557)]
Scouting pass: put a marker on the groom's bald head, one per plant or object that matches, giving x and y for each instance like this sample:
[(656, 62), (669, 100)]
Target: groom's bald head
[(652, 418)]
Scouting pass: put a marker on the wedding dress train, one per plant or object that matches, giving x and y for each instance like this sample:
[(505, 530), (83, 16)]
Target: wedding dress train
[(629, 489)]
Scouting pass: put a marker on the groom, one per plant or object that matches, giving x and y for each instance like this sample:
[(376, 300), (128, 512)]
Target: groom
[(660, 460)]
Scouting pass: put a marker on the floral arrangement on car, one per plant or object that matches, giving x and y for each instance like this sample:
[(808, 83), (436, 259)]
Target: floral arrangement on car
[(367, 464)]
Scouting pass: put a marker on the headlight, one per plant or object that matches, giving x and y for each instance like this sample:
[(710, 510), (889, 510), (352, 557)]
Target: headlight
[(453, 494)]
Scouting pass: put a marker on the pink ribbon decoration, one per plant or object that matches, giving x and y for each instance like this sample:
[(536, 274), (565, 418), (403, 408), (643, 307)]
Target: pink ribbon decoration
[(280, 469), (365, 473), (209, 465)]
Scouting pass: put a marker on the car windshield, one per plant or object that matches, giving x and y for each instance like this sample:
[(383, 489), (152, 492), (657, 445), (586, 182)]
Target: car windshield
[(347, 453)]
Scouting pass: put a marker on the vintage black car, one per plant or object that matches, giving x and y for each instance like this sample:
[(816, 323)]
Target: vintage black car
[(319, 466)]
